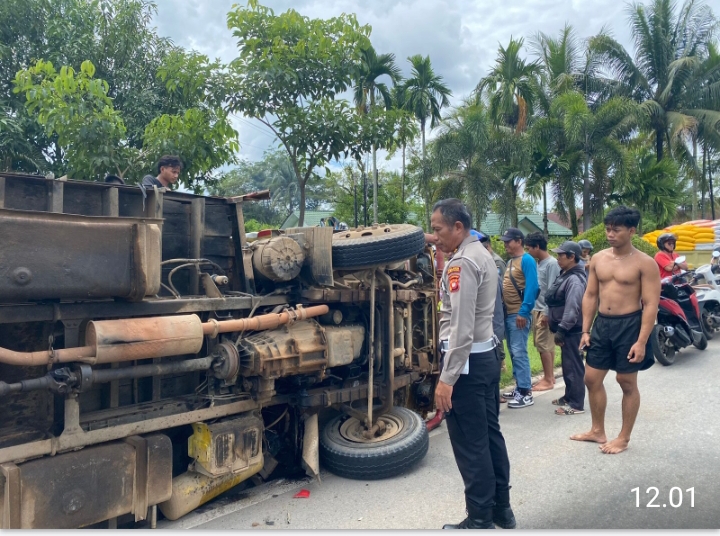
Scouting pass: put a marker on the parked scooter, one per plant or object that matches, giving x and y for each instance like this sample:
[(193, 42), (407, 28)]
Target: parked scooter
[(679, 320), (706, 282)]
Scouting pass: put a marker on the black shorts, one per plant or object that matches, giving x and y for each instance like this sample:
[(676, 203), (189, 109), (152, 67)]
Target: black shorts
[(611, 340)]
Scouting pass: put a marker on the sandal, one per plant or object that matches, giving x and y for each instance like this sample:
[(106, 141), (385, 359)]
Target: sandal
[(560, 401), (567, 410)]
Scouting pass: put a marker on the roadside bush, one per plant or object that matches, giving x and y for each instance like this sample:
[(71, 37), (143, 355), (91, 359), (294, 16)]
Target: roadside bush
[(498, 247), (596, 235)]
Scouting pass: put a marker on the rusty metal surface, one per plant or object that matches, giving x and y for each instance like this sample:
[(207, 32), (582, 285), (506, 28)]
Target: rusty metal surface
[(229, 446), (10, 502), (11, 314), (296, 349), (144, 338), (263, 322), (318, 245), (314, 398), (81, 488), (278, 259), (60, 256), (44, 357), (344, 344)]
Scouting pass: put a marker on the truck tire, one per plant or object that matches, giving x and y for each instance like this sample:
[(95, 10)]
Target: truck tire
[(663, 353), (358, 249), (346, 453)]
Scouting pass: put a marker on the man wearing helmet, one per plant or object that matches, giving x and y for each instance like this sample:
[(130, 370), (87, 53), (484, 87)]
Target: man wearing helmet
[(666, 257), (586, 247)]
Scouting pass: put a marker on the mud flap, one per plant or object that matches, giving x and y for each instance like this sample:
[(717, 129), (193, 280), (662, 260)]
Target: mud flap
[(311, 451)]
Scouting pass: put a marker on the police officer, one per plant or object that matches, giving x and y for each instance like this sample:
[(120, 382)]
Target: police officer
[(468, 389)]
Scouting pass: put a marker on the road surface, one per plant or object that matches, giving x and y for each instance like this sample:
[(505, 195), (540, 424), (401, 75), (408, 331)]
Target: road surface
[(556, 483)]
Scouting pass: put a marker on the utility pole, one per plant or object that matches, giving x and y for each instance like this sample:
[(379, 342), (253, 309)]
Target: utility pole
[(354, 182)]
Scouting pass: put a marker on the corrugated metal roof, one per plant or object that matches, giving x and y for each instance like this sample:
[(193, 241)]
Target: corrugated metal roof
[(312, 218), (493, 225)]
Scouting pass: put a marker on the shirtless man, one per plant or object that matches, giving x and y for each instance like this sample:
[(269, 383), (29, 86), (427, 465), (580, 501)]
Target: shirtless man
[(625, 283)]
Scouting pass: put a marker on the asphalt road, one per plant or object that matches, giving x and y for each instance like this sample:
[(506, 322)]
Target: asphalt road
[(556, 483)]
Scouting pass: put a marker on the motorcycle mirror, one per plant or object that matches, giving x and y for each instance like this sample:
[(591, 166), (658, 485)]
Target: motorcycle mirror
[(680, 259), (716, 254)]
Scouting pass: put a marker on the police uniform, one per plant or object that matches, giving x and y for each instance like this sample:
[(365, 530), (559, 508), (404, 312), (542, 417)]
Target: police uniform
[(471, 365)]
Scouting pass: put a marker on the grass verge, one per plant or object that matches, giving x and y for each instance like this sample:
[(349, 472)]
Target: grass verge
[(506, 376)]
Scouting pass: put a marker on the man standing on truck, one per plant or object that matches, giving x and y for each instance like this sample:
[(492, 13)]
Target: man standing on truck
[(520, 290), (467, 390), (169, 168), (624, 289)]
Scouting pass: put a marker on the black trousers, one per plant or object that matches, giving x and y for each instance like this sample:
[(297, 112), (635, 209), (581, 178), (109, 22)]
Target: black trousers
[(573, 370), (475, 436)]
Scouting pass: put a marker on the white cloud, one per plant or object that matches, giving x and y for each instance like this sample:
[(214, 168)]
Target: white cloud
[(461, 36)]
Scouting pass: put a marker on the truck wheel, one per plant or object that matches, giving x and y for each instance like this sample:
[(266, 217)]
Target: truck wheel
[(663, 353), (347, 453), (357, 249)]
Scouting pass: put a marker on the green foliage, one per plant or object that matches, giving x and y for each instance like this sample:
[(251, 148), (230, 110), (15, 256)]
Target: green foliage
[(76, 108), (498, 247), (288, 73), (652, 187), (135, 97), (425, 93), (346, 185), (597, 238), (253, 226), (275, 173), (203, 138)]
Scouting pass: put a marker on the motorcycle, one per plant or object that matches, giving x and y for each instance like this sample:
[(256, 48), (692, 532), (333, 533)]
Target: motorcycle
[(706, 282), (679, 319)]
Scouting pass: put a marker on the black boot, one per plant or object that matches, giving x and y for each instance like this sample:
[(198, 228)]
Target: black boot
[(476, 519), (502, 514)]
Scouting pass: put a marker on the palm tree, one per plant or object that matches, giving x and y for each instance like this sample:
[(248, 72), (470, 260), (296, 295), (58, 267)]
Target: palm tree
[(511, 85), (700, 100), (651, 186), (665, 44), (425, 96), (460, 153), (406, 130), (597, 134), (368, 91)]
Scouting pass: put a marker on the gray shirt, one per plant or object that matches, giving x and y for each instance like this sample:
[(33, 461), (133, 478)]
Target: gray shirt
[(469, 284), (548, 270), (500, 263)]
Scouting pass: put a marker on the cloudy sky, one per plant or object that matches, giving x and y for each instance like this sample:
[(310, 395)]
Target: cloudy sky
[(461, 37)]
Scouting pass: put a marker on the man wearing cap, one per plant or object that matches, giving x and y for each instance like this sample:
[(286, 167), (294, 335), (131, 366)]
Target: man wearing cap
[(548, 270), (564, 301), (467, 390), (520, 290)]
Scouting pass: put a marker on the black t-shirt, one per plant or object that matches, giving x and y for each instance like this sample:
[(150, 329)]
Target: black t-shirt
[(149, 181)]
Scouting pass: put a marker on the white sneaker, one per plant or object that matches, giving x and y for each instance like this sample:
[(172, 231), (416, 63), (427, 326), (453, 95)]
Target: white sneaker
[(520, 401)]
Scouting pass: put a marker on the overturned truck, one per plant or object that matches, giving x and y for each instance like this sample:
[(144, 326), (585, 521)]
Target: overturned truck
[(152, 356)]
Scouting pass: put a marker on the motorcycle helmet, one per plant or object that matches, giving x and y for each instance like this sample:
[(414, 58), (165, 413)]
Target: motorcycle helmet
[(585, 244), (663, 239)]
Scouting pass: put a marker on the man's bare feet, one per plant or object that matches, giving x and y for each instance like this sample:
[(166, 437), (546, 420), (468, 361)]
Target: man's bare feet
[(615, 446), (597, 437), (543, 385)]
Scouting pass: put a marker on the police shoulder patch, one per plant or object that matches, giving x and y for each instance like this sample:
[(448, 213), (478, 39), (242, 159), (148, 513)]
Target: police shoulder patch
[(453, 278)]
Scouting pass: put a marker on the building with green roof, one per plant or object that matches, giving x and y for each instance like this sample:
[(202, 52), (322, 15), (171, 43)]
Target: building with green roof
[(493, 225), (312, 218)]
